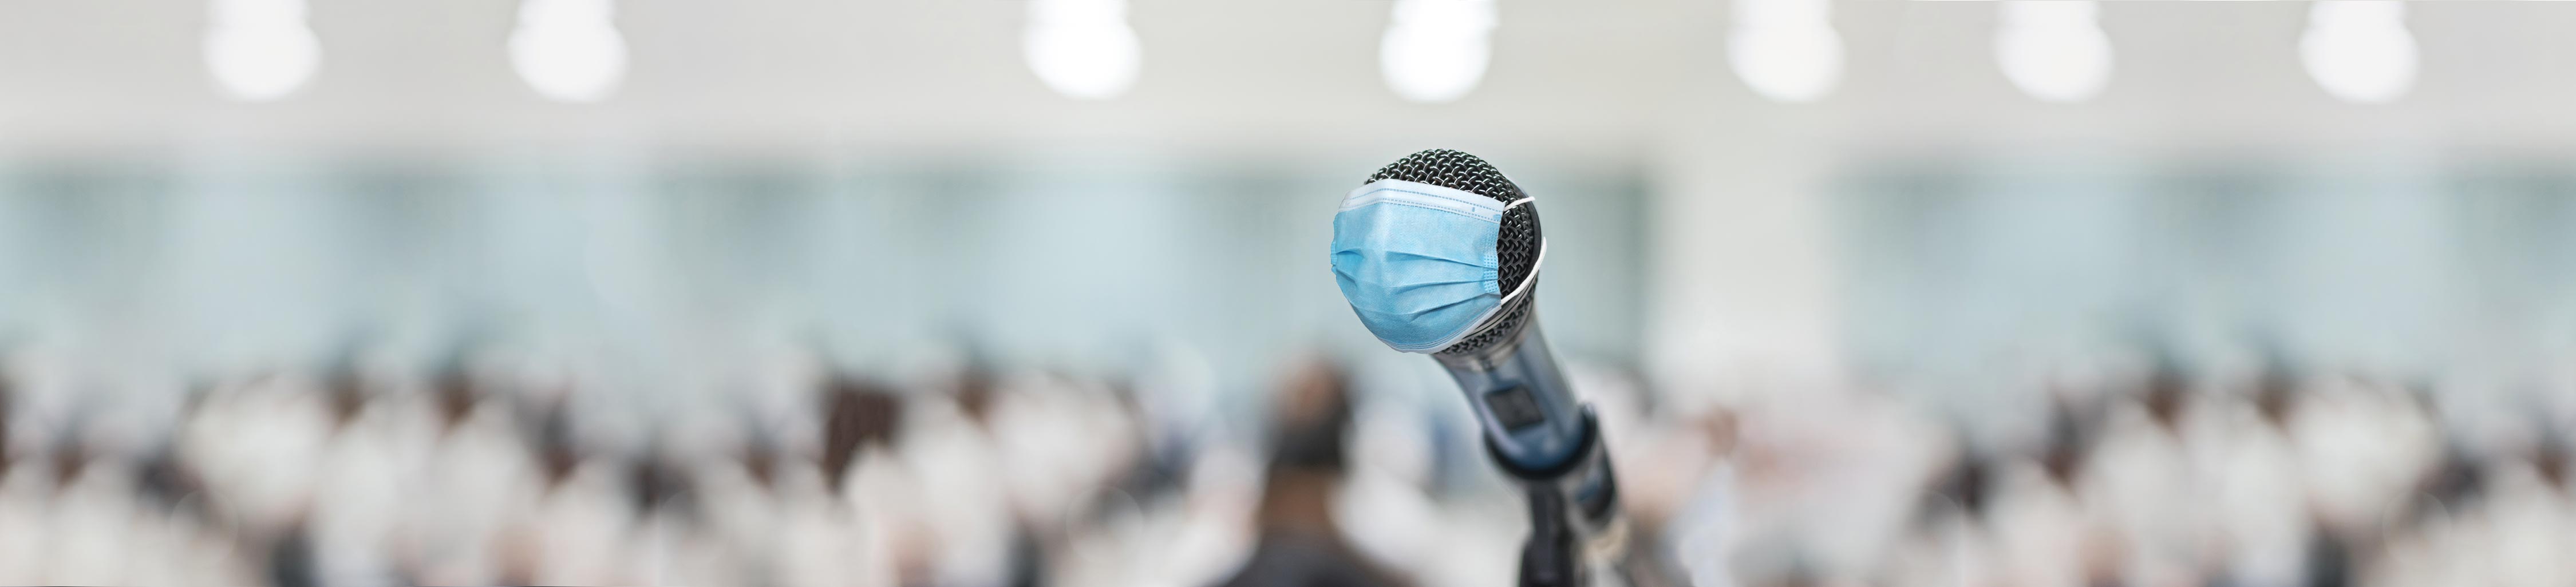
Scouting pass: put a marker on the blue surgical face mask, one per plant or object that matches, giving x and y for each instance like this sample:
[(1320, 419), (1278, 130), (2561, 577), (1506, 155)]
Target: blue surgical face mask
[(1417, 262)]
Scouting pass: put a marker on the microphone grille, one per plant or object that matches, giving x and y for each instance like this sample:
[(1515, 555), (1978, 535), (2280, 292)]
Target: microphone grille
[(1516, 245)]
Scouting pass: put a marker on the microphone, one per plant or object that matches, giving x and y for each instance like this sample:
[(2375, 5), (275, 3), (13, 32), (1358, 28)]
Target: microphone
[(1439, 253), (1503, 363)]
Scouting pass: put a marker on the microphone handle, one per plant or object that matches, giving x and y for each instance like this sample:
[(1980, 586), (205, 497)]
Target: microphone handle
[(1551, 447), (1520, 397)]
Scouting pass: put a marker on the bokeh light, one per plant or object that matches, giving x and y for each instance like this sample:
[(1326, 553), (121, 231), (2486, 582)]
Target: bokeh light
[(1786, 50), (1083, 48), (2360, 51), (2054, 50), (569, 50), (261, 50), (1437, 50)]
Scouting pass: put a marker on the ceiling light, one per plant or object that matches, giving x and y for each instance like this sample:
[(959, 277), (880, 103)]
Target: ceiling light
[(1437, 50), (2054, 50), (1786, 50), (1083, 48), (260, 50), (2360, 51), (569, 50)]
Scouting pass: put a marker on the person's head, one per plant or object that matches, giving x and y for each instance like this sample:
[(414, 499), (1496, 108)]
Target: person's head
[(2550, 458), (2068, 442), (347, 389), (856, 414), (550, 427), (2276, 393), (2167, 388), (759, 457), (1310, 416), (456, 392)]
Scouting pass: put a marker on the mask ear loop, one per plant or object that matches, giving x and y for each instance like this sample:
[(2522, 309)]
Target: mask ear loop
[(1534, 265)]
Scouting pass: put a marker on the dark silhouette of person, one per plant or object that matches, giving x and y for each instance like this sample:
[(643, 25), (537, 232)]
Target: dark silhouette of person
[(1300, 546)]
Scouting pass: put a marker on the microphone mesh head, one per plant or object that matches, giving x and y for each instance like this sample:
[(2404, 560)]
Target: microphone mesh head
[(1516, 246)]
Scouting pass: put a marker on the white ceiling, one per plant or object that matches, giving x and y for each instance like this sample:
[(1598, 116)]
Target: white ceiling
[(1607, 78)]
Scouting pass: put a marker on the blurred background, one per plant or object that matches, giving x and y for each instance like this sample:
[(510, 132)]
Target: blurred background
[(987, 293)]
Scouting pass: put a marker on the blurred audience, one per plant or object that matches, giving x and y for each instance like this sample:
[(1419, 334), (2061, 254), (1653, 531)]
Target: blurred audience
[(995, 477)]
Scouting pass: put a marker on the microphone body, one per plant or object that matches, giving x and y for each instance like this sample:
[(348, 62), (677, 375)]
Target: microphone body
[(1519, 395), (1439, 253)]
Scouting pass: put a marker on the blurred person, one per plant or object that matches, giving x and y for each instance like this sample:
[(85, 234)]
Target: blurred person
[(665, 510), (853, 517), (191, 538), (1191, 484), (2525, 524), (106, 517), (2146, 456), (715, 535), (1015, 462), (1826, 480), (2362, 448), (371, 473), (259, 445), (91, 517), (2552, 460), (477, 480), (578, 531), (1947, 543), (972, 528), (2445, 532), (1072, 457), (166, 480), (1173, 399), (1300, 543), (2489, 514), (857, 416), (2070, 440), (2014, 515), (2433, 532), (2257, 501), (963, 532), (2047, 533)]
